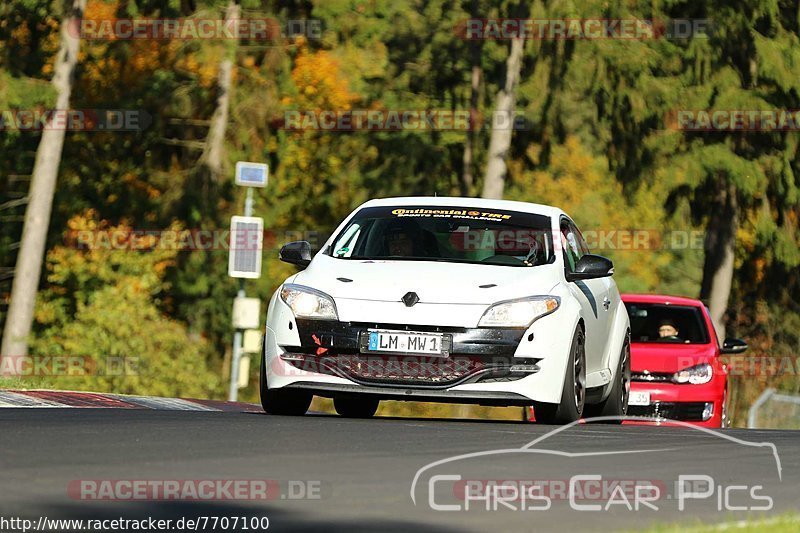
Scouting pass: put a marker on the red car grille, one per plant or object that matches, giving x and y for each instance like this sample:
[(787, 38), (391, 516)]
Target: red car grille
[(685, 411), (651, 377)]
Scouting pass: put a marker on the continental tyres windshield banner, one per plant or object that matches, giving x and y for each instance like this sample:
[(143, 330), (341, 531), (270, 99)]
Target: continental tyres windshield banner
[(451, 213)]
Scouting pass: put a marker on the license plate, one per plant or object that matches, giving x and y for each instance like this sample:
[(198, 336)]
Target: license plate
[(383, 341), (639, 398)]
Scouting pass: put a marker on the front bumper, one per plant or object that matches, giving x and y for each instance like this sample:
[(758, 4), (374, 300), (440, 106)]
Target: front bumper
[(474, 355), (698, 404), (491, 366)]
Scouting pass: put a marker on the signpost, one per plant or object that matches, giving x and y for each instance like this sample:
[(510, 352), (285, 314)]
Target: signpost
[(244, 262)]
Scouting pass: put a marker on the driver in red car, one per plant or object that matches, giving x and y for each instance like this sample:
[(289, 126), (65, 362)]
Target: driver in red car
[(668, 331)]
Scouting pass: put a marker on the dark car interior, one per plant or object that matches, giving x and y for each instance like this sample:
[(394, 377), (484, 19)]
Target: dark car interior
[(499, 242), (647, 320)]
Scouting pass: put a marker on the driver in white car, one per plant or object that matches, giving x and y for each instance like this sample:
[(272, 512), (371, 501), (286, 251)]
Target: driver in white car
[(399, 243)]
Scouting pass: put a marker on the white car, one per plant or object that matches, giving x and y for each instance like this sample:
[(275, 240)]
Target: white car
[(449, 300)]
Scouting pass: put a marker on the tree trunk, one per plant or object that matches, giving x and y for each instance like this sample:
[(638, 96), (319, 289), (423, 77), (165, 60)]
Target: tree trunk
[(502, 124), (213, 153), (467, 177), (720, 242), (40, 196)]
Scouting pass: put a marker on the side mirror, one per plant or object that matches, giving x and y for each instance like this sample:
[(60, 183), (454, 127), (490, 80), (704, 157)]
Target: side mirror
[(731, 346), (591, 266), (297, 253)]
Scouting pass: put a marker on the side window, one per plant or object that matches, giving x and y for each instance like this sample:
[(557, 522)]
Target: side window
[(345, 245), (581, 242), (569, 246)]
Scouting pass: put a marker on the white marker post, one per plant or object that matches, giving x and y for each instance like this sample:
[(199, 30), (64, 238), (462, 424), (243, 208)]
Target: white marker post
[(244, 262)]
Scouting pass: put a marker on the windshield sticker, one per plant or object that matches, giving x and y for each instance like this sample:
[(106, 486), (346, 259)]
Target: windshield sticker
[(470, 214)]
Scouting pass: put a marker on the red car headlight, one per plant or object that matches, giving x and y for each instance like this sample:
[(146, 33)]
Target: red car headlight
[(696, 375)]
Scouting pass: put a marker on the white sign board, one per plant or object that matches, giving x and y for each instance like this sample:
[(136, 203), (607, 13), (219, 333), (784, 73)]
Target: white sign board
[(251, 174), (246, 244), (252, 341), (245, 313), (244, 372)]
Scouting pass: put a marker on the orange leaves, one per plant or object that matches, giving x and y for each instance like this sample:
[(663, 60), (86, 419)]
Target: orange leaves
[(203, 67), (320, 83), (95, 251), (113, 67), (628, 230), (27, 41), (573, 177), (100, 10), (21, 34), (134, 182)]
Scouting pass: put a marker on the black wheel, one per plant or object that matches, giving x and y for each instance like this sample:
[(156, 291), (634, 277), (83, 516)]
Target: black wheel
[(355, 406), (573, 395), (617, 402), (279, 401)]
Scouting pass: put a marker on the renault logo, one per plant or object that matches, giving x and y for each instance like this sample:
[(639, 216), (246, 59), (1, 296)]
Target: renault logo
[(410, 299)]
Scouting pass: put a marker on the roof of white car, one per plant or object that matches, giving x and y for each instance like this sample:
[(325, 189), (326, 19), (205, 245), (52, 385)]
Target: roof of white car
[(455, 201)]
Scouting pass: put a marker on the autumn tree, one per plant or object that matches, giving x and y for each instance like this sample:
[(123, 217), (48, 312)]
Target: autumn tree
[(40, 196)]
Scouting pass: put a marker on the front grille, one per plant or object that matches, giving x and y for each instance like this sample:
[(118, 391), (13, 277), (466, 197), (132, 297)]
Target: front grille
[(685, 411), (437, 372), (331, 337), (651, 377)]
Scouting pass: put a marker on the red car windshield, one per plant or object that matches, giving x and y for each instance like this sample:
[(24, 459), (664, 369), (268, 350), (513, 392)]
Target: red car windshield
[(667, 323)]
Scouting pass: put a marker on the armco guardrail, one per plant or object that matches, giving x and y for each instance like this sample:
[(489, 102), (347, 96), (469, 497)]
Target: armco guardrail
[(774, 410)]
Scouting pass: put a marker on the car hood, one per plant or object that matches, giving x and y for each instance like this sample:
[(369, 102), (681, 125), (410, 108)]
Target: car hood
[(434, 282), (667, 357)]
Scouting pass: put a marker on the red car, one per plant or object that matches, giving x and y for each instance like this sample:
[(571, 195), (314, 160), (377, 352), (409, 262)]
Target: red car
[(676, 371)]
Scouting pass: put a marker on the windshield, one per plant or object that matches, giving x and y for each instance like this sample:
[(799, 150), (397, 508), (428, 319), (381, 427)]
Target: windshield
[(667, 324), (449, 234)]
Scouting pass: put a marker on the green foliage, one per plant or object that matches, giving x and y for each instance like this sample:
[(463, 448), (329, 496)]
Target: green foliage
[(628, 231), (102, 306)]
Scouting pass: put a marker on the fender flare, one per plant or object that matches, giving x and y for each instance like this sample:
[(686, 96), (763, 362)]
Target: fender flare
[(575, 320)]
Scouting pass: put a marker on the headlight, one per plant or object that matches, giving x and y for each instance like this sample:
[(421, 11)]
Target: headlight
[(306, 302), (696, 375), (519, 313)]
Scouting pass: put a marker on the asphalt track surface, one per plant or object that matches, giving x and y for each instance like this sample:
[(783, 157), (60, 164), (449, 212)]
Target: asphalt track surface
[(364, 469)]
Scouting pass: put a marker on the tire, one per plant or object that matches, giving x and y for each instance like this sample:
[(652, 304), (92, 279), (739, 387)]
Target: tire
[(355, 406), (278, 401), (573, 395), (616, 404)]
